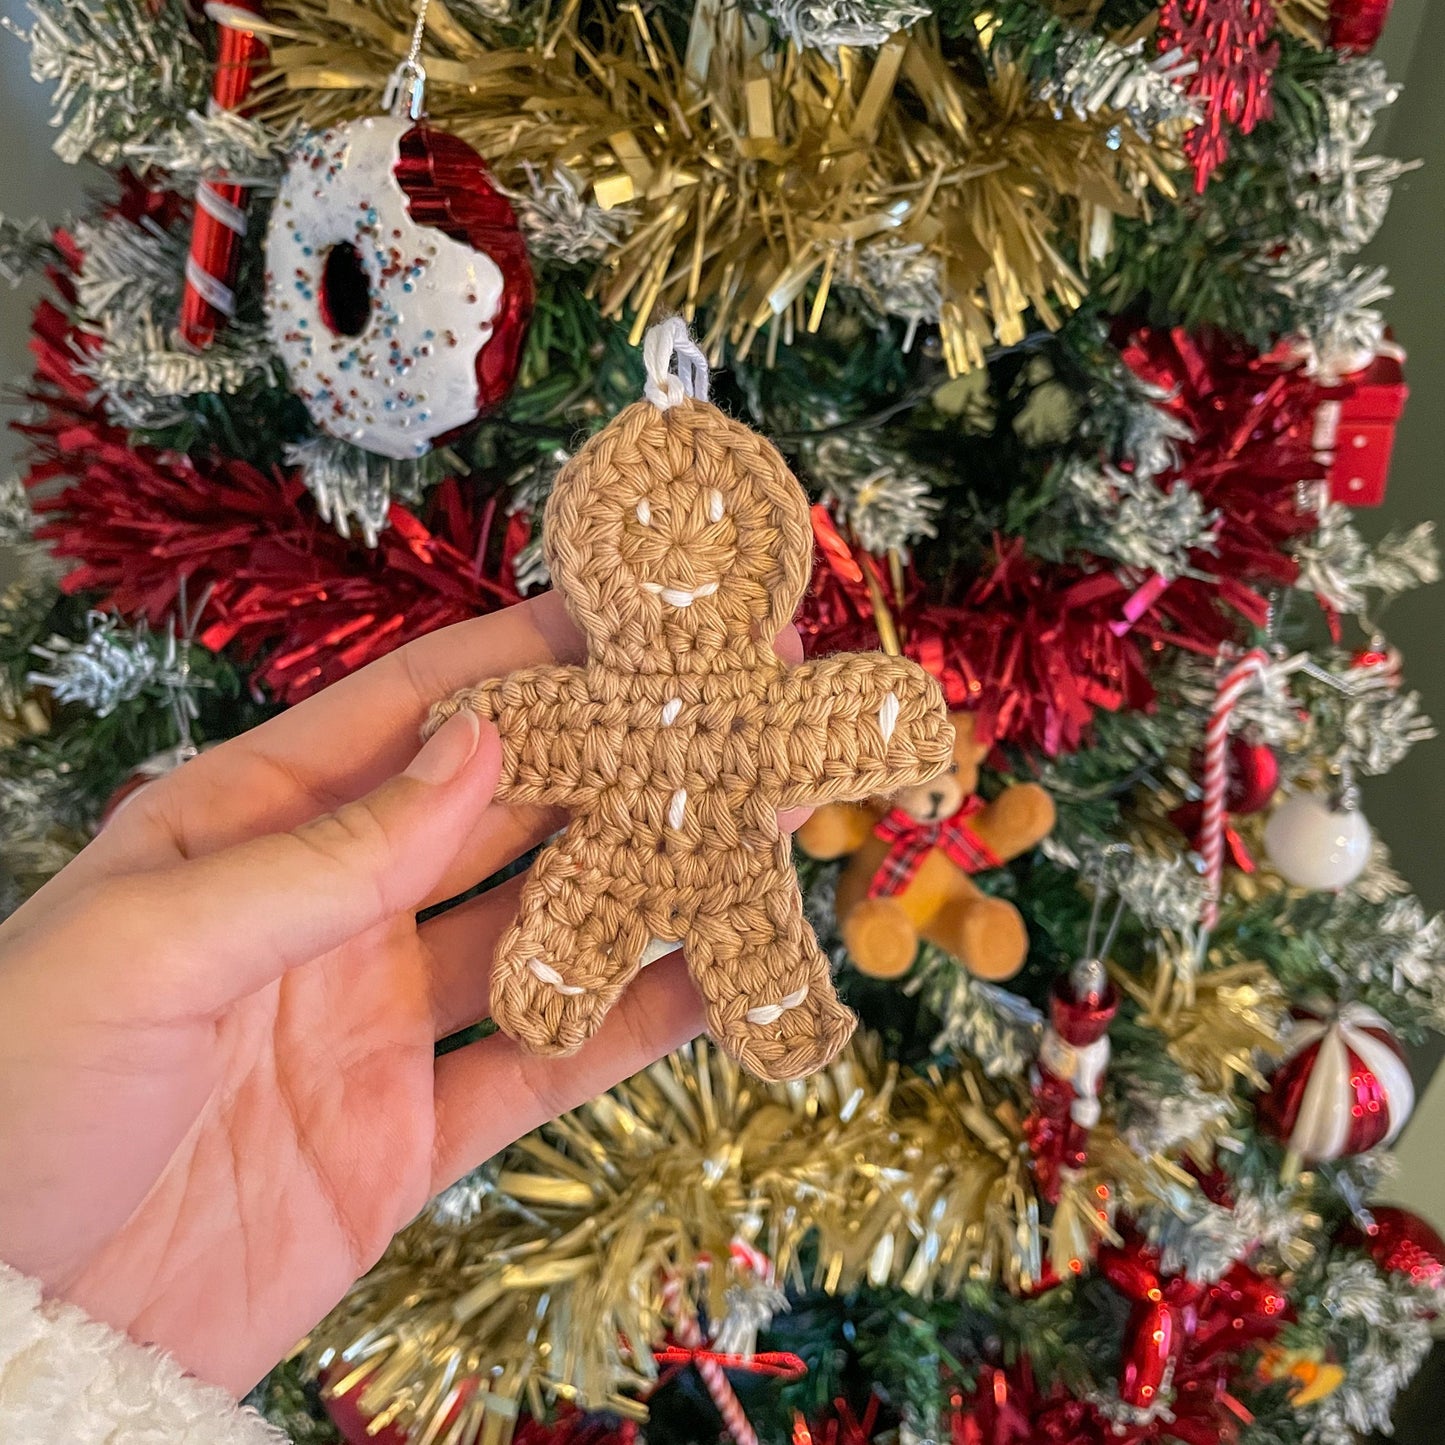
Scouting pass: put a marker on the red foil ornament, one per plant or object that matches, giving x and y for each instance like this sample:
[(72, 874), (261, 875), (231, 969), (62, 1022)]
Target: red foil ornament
[(1194, 1335), (1402, 1243), (1231, 43), (449, 187), (1343, 1088), (1356, 25), (219, 224), (1252, 780)]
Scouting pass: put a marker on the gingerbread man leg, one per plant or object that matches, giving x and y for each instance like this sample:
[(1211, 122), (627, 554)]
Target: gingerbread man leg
[(577, 943), (769, 990)]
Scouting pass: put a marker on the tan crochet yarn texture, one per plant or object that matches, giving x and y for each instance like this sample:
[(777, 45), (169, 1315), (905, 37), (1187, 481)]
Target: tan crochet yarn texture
[(681, 544)]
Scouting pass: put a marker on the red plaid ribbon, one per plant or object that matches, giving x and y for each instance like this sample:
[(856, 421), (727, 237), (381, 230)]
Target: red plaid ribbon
[(910, 841)]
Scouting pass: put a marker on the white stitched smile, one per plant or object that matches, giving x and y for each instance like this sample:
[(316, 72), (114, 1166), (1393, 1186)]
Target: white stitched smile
[(678, 596)]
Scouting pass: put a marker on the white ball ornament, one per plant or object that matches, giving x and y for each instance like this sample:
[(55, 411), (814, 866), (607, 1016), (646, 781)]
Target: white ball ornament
[(1313, 844), (397, 284)]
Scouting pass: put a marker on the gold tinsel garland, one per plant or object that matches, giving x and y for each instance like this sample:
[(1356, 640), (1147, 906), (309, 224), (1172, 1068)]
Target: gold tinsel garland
[(567, 1266), (760, 178)]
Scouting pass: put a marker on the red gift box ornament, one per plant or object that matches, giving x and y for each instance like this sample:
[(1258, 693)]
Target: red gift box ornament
[(1355, 432)]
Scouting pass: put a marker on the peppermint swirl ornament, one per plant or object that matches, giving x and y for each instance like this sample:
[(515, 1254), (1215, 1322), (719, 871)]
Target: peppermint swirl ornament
[(1343, 1088), (397, 284)]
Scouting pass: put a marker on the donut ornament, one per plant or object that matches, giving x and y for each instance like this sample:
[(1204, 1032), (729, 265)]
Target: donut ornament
[(397, 284)]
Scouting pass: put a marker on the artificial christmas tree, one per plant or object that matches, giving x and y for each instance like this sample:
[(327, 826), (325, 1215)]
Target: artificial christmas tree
[(1054, 311)]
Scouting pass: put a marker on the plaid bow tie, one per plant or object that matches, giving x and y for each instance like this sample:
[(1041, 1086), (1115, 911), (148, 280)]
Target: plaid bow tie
[(911, 841)]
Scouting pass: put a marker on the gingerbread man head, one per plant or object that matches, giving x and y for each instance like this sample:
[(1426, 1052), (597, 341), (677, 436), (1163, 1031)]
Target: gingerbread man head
[(691, 566)]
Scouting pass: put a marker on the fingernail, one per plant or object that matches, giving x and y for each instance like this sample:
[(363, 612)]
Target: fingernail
[(448, 750)]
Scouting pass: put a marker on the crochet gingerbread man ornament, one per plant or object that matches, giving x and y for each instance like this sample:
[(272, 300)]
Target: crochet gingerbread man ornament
[(681, 545)]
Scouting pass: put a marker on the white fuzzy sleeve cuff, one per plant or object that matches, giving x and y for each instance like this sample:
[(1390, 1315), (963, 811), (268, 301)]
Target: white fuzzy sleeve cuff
[(66, 1380)]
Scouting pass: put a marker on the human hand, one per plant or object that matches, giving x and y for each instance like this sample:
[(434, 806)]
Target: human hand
[(217, 1081)]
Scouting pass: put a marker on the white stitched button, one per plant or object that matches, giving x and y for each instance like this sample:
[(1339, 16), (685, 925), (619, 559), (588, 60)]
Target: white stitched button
[(770, 1013), (888, 716), (549, 975), (677, 808)]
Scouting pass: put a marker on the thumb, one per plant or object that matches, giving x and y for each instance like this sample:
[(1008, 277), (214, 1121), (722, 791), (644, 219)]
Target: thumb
[(238, 919)]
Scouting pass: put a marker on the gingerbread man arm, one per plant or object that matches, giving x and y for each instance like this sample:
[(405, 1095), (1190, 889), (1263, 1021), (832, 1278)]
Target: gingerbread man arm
[(536, 712), (853, 726)]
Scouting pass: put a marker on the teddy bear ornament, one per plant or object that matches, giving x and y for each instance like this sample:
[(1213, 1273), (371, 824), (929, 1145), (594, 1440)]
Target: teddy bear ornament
[(681, 544), (911, 863)]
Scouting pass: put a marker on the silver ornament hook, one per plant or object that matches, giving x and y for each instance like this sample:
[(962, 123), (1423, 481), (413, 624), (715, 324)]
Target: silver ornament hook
[(406, 86)]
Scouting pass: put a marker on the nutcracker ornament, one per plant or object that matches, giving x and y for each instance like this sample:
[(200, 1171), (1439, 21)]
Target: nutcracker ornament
[(398, 288), (1073, 1058), (1343, 1088)]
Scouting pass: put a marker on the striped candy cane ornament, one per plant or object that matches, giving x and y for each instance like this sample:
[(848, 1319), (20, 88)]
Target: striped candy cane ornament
[(1248, 672), (208, 300)]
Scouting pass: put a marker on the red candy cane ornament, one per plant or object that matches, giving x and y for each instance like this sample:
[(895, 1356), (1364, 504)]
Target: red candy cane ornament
[(208, 300)]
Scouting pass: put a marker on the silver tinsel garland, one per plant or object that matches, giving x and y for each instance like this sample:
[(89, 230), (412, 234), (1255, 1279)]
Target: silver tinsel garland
[(128, 295), (1203, 1240), (1092, 74), (205, 143), (355, 488), (1397, 948), (898, 279), (25, 246), (1152, 434), (530, 487), (1338, 186), (111, 665), (827, 25), (877, 490), (1385, 1332), (980, 1020), (1341, 325), (562, 223), (1336, 562), (1381, 725), (122, 71), (1136, 521)]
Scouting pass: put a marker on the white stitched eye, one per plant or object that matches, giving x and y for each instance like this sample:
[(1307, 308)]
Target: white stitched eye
[(644, 514), (714, 505)]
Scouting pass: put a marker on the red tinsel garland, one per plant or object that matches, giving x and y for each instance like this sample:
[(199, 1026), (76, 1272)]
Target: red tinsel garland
[(1036, 648), (288, 594), (1231, 43)]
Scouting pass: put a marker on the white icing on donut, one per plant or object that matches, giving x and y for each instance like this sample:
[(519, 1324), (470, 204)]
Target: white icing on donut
[(409, 376)]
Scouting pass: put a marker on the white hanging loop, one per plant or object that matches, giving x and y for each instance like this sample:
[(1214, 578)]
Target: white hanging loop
[(665, 343)]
